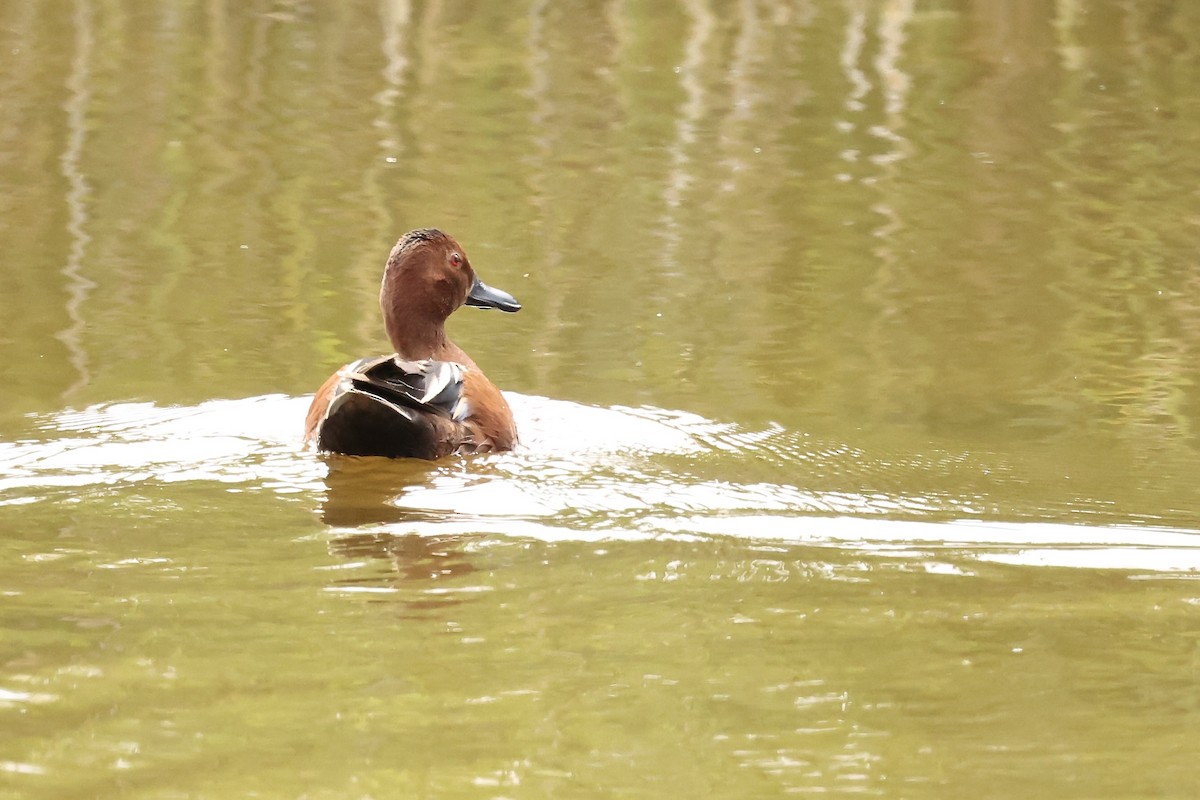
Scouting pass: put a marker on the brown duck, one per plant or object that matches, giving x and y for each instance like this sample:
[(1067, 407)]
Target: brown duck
[(429, 398)]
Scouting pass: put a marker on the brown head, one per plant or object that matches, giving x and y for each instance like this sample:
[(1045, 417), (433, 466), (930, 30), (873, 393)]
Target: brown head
[(427, 278)]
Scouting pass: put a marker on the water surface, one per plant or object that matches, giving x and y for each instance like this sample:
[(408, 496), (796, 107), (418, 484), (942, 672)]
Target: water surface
[(856, 379)]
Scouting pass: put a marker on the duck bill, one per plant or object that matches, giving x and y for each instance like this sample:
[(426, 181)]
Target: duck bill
[(484, 296)]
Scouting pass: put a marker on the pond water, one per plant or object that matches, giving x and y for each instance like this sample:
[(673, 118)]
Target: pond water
[(858, 383)]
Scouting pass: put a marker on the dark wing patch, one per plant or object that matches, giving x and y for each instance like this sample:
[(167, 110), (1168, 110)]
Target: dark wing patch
[(386, 407), (432, 386)]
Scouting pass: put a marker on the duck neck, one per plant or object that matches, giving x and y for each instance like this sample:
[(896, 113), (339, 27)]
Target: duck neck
[(414, 311), (416, 340)]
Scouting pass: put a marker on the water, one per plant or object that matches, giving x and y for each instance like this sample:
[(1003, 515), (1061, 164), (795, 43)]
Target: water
[(856, 380)]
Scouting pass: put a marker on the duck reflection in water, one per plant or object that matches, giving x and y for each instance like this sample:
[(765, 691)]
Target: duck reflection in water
[(413, 562), (362, 492)]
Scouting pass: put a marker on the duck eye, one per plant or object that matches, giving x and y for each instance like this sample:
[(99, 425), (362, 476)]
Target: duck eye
[(456, 259)]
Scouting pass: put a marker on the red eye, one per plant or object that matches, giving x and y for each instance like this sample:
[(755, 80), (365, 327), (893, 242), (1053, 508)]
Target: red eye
[(456, 259)]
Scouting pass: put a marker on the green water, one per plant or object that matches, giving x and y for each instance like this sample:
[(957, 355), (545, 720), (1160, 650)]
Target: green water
[(858, 378)]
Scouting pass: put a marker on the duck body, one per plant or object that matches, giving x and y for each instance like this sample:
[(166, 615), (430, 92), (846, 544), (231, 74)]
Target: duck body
[(428, 399)]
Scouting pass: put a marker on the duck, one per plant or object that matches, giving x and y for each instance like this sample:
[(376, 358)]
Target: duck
[(428, 399)]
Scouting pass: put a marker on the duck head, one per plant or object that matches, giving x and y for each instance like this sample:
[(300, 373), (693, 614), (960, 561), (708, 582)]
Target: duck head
[(427, 278)]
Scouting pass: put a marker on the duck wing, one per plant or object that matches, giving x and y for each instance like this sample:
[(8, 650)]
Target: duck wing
[(428, 385), (389, 407)]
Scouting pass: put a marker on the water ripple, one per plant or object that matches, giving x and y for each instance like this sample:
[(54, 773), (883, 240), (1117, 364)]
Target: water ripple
[(582, 473)]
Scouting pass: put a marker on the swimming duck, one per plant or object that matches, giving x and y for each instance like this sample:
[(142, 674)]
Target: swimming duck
[(428, 399)]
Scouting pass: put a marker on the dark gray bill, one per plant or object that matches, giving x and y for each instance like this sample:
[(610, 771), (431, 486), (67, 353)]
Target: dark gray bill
[(484, 296)]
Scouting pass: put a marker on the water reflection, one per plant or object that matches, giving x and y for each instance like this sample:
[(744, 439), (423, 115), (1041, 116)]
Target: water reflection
[(359, 491), (691, 111), (417, 571), (421, 573), (78, 285)]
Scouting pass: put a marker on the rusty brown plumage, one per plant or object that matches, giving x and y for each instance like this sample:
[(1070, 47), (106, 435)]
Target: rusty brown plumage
[(428, 399)]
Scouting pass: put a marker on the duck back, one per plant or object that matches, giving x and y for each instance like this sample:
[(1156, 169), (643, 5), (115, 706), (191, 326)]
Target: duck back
[(398, 409)]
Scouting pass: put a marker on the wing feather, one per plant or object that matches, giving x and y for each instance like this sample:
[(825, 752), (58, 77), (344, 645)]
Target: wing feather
[(427, 385)]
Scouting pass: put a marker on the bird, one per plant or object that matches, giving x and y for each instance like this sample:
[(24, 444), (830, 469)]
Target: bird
[(428, 399)]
